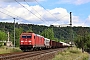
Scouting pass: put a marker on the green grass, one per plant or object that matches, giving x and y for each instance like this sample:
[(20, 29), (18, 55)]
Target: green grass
[(71, 54), (4, 50)]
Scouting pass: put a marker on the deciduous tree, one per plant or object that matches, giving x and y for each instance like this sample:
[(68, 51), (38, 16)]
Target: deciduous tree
[(48, 33)]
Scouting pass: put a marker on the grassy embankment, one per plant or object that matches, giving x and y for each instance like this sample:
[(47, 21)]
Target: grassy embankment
[(72, 54), (69, 54), (4, 50)]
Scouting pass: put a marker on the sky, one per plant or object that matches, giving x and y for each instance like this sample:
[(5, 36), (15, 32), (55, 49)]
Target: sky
[(46, 12)]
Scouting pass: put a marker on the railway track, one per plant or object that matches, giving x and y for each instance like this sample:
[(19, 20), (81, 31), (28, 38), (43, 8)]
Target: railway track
[(34, 55)]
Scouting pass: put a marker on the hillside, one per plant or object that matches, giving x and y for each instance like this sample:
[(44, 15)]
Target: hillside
[(62, 33)]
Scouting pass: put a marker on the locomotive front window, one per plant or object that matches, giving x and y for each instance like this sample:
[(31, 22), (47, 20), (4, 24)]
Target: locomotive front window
[(23, 36), (28, 36)]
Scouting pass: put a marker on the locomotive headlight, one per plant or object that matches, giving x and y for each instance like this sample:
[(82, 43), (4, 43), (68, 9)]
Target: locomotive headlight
[(29, 41), (22, 41)]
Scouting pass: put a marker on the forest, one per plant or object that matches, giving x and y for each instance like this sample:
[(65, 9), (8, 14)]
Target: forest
[(79, 35)]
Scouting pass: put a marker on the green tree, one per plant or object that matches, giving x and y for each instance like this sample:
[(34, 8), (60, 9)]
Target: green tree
[(3, 37), (82, 39), (48, 33), (18, 31), (88, 41), (88, 44)]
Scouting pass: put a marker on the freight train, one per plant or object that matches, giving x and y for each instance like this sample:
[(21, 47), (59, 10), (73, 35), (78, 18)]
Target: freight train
[(32, 41)]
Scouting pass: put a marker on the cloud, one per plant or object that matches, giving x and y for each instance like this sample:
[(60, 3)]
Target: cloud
[(76, 2), (89, 17), (79, 2), (38, 15), (15, 11), (87, 21)]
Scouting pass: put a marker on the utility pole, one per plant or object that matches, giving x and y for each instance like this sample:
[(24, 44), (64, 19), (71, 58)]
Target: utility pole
[(71, 27), (14, 32), (70, 19)]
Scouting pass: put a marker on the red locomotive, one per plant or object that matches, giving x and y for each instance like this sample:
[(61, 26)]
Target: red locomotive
[(29, 41)]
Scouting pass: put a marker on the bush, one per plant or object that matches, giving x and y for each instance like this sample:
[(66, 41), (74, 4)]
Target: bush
[(0, 44), (74, 51), (71, 54)]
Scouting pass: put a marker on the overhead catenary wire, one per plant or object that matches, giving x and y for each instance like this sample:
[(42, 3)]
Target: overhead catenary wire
[(85, 22), (30, 11), (7, 14), (35, 10), (8, 11), (13, 14), (58, 20), (49, 12), (46, 9)]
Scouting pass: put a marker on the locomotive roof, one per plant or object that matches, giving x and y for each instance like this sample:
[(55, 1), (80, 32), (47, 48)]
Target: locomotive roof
[(39, 35), (26, 33)]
